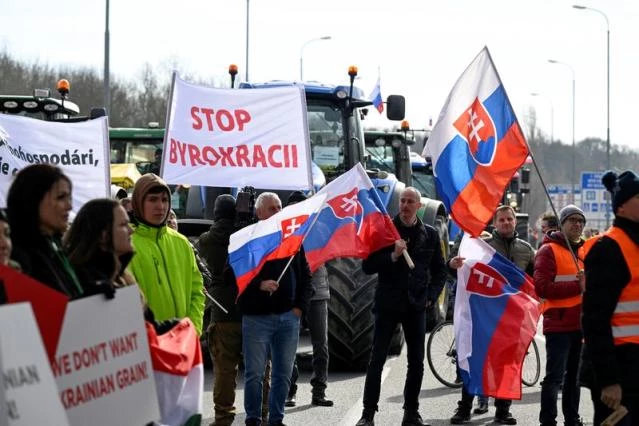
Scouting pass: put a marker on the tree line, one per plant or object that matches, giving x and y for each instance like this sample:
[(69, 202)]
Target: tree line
[(135, 103)]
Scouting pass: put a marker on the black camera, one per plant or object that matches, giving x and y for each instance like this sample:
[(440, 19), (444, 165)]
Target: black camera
[(245, 207)]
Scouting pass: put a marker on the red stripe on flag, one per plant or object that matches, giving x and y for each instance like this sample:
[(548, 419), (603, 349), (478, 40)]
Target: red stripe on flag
[(176, 351)]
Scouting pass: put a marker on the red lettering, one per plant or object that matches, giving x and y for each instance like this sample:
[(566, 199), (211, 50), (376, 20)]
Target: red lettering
[(242, 117), (226, 156), (271, 158), (61, 365), (209, 117), (197, 122), (294, 154), (258, 156), (194, 155), (241, 156), (287, 161), (224, 120), (173, 152), (210, 150), (182, 150)]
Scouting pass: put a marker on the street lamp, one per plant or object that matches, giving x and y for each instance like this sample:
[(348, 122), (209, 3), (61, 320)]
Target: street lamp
[(552, 115), (302, 53), (572, 70), (107, 72), (247, 41), (576, 6)]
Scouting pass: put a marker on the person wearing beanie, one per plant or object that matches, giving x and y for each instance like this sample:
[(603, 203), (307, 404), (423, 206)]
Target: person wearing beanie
[(559, 282), (317, 319), (225, 328), (611, 304), (164, 265)]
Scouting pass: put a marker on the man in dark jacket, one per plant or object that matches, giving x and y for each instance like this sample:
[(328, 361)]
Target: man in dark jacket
[(504, 240), (401, 297), (271, 308), (610, 304), (559, 283)]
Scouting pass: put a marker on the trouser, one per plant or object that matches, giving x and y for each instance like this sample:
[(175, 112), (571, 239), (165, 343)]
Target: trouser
[(467, 401), (414, 326), (225, 347), (563, 351), (277, 335), (317, 318), (630, 401)]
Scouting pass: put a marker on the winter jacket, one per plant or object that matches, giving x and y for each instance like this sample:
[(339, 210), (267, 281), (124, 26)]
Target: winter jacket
[(213, 246), (607, 274), (44, 260), (165, 268), (400, 288), (514, 249), (558, 319), (294, 289)]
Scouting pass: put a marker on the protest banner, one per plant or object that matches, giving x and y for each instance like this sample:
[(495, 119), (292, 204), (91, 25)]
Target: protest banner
[(102, 365), (225, 137), (80, 149), (29, 388)]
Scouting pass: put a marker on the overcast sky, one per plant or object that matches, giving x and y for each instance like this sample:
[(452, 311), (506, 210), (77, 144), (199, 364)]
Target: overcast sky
[(420, 46)]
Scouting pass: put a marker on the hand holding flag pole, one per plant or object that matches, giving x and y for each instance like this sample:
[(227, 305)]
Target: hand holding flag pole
[(409, 261)]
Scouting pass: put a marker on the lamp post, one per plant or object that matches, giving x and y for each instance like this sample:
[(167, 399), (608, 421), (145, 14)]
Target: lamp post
[(576, 6), (552, 115), (307, 42), (572, 70), (247, 42), (106, 78)]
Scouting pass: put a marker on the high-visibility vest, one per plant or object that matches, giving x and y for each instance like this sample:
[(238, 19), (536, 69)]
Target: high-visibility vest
[(566, 270), (625, 318)]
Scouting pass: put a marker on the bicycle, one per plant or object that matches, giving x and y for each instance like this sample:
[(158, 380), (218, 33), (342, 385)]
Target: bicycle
[(441, 354)]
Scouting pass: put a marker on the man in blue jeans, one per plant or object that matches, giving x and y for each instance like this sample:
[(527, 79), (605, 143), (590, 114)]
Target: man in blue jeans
[(270, 324), (401, 297)]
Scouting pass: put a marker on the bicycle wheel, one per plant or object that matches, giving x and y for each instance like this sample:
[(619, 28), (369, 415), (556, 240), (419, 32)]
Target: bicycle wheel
[(442, 355), (531, 369)]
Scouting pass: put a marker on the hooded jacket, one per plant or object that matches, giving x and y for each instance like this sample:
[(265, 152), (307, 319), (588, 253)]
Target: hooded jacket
[(164, 265), (556, 319)]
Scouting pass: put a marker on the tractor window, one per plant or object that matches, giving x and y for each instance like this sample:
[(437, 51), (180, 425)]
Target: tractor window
[(425, 182), (327, 136), (135, 151), (380, 157)]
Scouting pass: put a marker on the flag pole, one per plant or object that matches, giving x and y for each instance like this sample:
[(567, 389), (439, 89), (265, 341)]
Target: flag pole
[(534, 161)]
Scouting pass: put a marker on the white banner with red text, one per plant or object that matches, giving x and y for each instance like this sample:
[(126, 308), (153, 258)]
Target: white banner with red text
[(236, 138), (102, 364)]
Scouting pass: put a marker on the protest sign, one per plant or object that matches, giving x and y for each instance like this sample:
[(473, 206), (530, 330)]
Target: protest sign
[(30, 390), (80, 149), (102, 365), (225, 137)]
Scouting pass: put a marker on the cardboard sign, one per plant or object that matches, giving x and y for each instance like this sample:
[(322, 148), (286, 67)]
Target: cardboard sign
[(226, 137), (30, 390), (102, 364)]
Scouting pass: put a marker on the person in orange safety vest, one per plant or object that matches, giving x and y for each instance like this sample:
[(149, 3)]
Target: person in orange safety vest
[(611, 304)]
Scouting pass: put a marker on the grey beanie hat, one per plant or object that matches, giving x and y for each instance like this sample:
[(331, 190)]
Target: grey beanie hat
[(568, 211)]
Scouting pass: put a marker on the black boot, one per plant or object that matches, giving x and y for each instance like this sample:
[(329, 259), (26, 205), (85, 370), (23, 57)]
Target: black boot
[(367, 419), (253, 422), (321, 401), (503, 417), (461, 416), (412, 418)]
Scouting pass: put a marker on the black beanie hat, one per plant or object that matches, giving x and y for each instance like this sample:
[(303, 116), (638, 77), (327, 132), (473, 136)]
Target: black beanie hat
[(295, 197), (224, 207), (623, 187)]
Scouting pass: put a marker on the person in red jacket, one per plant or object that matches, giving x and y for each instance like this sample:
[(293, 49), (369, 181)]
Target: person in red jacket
[(559, 281)]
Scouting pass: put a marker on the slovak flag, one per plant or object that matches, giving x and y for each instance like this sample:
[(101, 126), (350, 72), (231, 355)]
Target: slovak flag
[(476, 145), (376, 97), (277, 237), (496, 316), (352, 223)]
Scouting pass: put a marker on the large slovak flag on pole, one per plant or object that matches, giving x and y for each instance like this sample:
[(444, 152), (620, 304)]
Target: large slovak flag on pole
[(476, 145), (496, 316), (352, 223), (277, 237)]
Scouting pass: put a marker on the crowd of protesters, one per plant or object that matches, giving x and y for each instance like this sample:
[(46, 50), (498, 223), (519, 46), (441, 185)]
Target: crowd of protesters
[(589, 289)]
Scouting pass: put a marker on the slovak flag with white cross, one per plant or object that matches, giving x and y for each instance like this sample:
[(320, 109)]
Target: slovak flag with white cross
[(352, 223), (277, 237)]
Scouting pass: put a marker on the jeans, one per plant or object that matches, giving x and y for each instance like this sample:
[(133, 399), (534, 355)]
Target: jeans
[(414, 326), (501, 405), (317, 318), (277, 335), (225, 346), (563, 351)]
